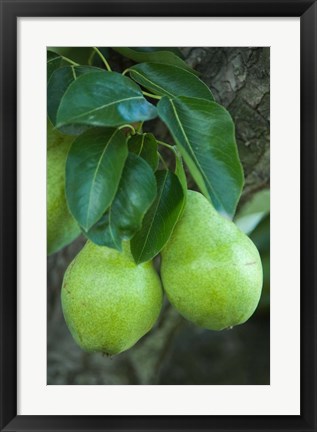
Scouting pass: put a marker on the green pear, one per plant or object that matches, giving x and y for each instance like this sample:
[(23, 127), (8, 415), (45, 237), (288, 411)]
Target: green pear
[(211, 271), (62, 228), (108, 301)]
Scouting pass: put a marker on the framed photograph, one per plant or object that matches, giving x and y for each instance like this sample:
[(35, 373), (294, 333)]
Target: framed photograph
[(158, 215)]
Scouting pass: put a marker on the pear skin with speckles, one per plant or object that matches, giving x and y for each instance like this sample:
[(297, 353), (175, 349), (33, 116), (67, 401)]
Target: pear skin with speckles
[(108, 301), (211, 271), (62, 228)]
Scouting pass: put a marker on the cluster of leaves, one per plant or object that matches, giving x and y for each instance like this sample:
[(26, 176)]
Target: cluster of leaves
[(114, 187)]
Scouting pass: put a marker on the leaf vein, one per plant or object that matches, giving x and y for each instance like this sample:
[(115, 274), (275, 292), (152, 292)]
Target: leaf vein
[(95, 175), (191, 150), (102, 107), (151, 224), (153, 83)]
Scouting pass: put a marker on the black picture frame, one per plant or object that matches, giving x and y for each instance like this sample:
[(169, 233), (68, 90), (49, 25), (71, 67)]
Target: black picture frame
[(10, 11)]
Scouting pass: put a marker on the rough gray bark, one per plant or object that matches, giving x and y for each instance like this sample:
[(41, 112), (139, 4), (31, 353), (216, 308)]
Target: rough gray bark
[(239, 80)]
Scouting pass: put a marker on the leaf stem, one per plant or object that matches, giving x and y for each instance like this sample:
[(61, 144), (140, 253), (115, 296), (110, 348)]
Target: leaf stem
[(74, 73), (172, 148), (70, 61), (166, 145), (139, 128), (153, 96), (163, 160), (103, 59), (91, 57), (125, 71), (127, 126)]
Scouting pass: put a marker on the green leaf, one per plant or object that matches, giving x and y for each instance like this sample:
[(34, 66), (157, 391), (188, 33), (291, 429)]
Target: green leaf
[(160, 220), (59, 82), (204, 134), (181, 175), (102, 235), (253, 212), (179, 170), (79, 55), (165, 57), (145, 145), (167, 80), (54, 62), (93, 170), (174, 50), (55, 137), (104, 99), (136, 192)]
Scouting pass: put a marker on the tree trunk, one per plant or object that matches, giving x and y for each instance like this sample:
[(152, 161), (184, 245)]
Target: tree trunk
[(239, 80)]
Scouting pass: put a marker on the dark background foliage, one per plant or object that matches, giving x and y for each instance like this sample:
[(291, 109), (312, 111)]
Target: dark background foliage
[(176, 351)]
